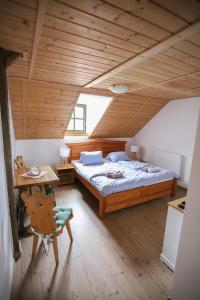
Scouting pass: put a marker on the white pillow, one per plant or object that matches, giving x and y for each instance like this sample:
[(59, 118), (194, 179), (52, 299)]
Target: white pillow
[(118, 155), (91, 157)]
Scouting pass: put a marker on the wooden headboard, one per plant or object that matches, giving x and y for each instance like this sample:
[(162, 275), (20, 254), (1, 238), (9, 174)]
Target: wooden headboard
[(106, 146)]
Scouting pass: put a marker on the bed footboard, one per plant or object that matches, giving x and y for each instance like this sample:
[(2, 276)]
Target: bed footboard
[(131, 197)]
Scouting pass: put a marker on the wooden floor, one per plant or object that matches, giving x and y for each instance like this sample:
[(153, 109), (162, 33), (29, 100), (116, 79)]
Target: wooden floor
[(117, 258)]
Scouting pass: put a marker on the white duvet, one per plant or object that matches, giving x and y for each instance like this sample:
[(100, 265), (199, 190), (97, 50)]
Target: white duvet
[(133, 175)]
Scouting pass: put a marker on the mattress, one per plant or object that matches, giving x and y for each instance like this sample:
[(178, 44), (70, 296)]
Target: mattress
[(133, 175)]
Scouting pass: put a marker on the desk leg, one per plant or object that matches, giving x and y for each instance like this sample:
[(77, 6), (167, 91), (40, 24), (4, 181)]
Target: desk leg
[(21, 215), (22, 230)]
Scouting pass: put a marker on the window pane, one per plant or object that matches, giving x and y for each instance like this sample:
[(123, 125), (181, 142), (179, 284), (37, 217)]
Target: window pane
[(71, 125), (72, 115), (78, 112), (79, 125)]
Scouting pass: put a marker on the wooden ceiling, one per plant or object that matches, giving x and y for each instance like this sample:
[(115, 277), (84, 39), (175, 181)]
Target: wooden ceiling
[(69, 46)]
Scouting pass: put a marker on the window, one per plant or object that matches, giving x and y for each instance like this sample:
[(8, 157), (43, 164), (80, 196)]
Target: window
[(77, 122), (87, 113)]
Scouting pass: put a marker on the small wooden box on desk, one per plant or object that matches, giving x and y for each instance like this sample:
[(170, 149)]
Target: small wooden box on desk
[(65, 173)]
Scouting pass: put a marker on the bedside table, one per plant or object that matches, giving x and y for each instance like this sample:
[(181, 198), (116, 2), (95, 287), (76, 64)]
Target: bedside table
[(65, 173)]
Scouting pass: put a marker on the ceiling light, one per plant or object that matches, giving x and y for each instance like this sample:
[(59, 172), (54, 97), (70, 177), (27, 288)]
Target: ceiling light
[(118, 88)]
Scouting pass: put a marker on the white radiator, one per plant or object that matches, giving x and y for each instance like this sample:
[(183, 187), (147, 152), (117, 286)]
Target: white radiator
[(169, 161)]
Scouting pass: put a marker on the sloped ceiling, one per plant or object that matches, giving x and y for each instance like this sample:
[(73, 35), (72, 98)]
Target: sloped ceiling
[(86, 45)]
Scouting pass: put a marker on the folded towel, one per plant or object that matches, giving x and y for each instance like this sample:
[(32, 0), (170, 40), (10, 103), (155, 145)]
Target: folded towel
[(145, 169), (115, 174), (152, 169)]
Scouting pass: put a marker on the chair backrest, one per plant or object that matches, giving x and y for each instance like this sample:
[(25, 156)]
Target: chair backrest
[(39, 208), (20, 164)]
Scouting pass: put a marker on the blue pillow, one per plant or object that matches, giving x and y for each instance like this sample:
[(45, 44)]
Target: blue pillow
[(91, 158), (116, 156)]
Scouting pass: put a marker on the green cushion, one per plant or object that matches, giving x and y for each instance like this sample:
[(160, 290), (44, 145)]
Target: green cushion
[(62, 216), (61, 208)]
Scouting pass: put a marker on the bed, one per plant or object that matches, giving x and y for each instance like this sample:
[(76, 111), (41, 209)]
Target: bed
[(112, 196)]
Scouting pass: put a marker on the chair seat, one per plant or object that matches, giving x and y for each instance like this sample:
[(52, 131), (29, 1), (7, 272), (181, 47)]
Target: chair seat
[(62, 214)]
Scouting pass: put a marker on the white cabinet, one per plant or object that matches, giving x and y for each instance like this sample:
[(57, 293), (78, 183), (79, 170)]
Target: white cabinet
[(172, 233)]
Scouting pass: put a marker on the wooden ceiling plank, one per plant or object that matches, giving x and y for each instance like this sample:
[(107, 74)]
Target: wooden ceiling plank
[(178, 66), (17, 10), (64, 74), (76, 54), (85, 42), (165, 82), (160, 68), (68, 63), (110, 13), (90, 21), (188, 10), (14, 30), (148, 53), (83, 49), (195, 38), (151, 12), (42, 6), (17, 23), (78, 30), (67, 59), (182, 57), (15, 40), (189, 48), (62, 67)]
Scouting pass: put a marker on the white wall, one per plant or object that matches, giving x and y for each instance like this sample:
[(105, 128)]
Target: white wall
[(173, 129), (187, 274), (44, 152), (6, 248)]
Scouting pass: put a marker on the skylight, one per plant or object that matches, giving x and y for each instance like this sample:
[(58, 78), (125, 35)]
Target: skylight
[(95, 108)]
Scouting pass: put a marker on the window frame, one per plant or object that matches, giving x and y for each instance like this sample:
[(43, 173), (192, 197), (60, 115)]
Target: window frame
[(74, 131)]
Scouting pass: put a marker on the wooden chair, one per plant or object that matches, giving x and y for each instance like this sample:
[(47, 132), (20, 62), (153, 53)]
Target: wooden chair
[(43, 219), (20, 164)]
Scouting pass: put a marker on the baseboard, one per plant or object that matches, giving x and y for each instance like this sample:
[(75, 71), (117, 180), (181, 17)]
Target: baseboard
[(165, 260)]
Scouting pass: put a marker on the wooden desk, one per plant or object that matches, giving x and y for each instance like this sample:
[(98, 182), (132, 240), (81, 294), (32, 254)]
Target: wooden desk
[(24, 182)]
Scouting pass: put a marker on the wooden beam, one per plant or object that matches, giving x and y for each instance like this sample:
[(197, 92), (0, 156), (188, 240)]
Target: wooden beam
[(38, 31), (11, 56), (24, 108), (7, 151), (169, 42)]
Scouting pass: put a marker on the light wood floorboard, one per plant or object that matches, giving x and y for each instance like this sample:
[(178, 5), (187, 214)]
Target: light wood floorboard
[(117, 258)]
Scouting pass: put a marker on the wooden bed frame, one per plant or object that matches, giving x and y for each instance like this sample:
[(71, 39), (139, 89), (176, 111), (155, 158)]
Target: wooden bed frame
[(123, 199)]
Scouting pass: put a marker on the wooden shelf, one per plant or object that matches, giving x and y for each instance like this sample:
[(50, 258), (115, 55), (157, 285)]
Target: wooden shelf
[(176, 202), (65, 173)]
